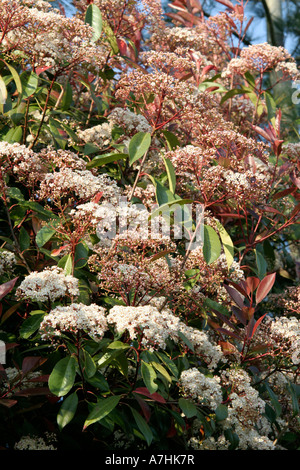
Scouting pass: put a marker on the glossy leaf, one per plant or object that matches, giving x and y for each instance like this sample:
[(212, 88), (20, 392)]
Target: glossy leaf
[(101, 409), (154, 396), (7, 287), (31, 325), (44, 235), (149, 376), (62, 377), (227, 244), (107, 158), (171, 174), (93, 17), (143, 426), (211, 245), (138, 146), (187, 407), (264, 287), (67, 410)]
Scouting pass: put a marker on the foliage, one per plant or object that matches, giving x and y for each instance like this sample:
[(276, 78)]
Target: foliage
[(117, 335)]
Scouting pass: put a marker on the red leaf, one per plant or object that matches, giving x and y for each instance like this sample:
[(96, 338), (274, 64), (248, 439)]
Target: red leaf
[(97, 197), (7, 287), (228, 333), (227, 4), (145, 408), (241, 287), (154, 396), (264, 287), (8, 402), (252, 326), (39, 70), (58, 250), (252, 283), (172, 430), (33, 391), (235, 295), (283, 193), (31, 362), (239, 315)]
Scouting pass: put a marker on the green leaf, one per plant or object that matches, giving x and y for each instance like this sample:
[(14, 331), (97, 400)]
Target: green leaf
[(62, 377), (166, 208), (31, 325), (187, 407), (87, 363), (261, 263), (292, 389), (274, 400), (44, 235), (15, 193), (162, 371), (186, 340), (221, 412), (57, 133), (101, 409), (99, 381), (143, 426), (111, 38), (81, 255), (211, 245), (168, 363), (15, 134), (29, 82), (118, 345), (3, 94), (36, 207), (24, 239), (93, 17), (108, 357), (68, 267), (138, 146), (231, 93), (172, 140), (149, 376), (67, 410), (227, 244), (15, 76), (171, 174), (101, 160)]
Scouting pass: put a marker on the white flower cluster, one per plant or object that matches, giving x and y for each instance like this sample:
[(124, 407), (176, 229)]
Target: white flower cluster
[(23, 161), (98, 135), (155, 327), (246, 412), (131, 121), (287, 331), (210, 443), (7, 261), (206, 390), (18, 381), (211, 353), (81, 182), (36, 442), (75, 318), (48, 285)]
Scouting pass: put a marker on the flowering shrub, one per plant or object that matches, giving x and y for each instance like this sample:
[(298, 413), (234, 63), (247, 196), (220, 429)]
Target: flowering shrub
[(149, 205)]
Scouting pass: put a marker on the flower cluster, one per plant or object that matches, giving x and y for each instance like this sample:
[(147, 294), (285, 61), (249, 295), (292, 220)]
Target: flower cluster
[(48, 285), (74, 318), (205, 390)]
